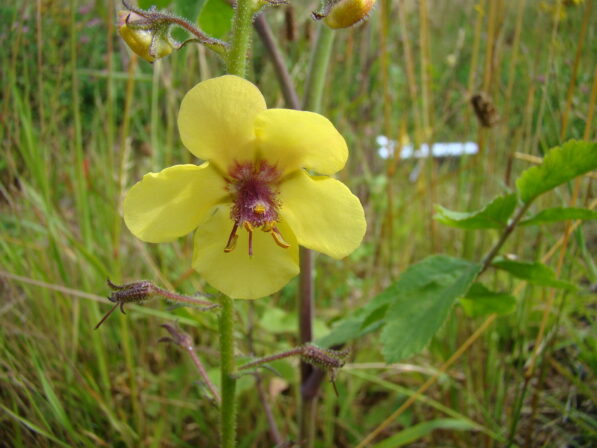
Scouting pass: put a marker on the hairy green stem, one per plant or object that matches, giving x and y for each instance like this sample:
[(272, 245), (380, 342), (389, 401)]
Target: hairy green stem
[(228, 409), (318, 67), (313, 95), (241, 38), (237, 63)]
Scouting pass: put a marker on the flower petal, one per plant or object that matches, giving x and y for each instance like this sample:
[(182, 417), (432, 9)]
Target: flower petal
[(294, 139), (216, 120), (235, 273), (323, 214), (166, 205)]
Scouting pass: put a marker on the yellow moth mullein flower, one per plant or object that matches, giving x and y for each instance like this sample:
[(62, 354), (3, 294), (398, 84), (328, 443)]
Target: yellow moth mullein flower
[(253, 202), (345, 13)]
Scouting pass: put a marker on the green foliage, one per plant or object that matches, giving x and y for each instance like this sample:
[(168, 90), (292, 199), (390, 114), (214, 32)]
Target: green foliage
[(215, 18), (276, 320), (480, 301), (493, 216), (160, 4), (533, 272), (559, 214), (410, 310), (561, 164), (420, 430), (423, 297), (128, 391)]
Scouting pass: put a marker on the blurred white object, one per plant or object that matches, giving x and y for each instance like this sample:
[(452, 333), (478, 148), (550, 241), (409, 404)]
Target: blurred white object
[(452, 149)]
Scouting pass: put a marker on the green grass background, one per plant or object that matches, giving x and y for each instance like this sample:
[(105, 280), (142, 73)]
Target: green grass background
[(81, 121)]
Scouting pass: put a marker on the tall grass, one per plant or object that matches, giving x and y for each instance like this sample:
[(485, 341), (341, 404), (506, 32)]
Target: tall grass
[(81, 120)]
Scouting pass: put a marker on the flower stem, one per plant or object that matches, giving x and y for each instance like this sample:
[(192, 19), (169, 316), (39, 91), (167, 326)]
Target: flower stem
[(318, 68), (228, 409), (310, 377), (241, 38)]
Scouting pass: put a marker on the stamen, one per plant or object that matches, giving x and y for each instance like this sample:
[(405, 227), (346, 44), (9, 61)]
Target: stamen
[(232, 239), (279, 239), (250, 241), (248, 226), (268, 226), (260, 209)]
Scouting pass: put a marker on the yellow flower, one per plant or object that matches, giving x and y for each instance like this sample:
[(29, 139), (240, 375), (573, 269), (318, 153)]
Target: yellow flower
[(253, 202)]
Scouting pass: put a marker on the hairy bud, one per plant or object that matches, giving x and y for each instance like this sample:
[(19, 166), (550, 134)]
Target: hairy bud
[(145, 39)]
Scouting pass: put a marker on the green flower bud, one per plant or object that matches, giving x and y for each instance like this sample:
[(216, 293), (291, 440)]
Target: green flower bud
[(146, 40)]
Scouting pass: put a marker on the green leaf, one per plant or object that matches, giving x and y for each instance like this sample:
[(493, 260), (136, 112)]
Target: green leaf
[(359, 323), (420, 430), (559, 214), (493, 216), (480, 301), (160, 4), (535, 272), (561, 164), (215, 18), (276, 320), (423, 296)]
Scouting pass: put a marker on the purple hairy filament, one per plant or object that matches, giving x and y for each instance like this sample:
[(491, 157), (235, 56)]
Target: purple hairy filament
[(254, 187)]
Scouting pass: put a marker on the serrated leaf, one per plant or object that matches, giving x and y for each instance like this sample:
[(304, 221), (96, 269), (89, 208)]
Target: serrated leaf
[(215, 18), (371, 317), (559, 214), (493, 216), (533, 272), (423, 297), (561, 164), (480, 301)]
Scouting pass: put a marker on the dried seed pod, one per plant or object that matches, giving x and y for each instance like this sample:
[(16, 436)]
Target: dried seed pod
[(484, 109)]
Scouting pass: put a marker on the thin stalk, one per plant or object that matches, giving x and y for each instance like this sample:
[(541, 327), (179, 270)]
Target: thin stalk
[(475, 51), (572, 85), (284, 79), (504, 236), (40, 69), (237, 63), (426, 113), (203, 373), (185, 342), (122, 162), (515, 51), (228, 409), (241, 38), (313, 95), (387, 237), (318, 68), (591, 111)]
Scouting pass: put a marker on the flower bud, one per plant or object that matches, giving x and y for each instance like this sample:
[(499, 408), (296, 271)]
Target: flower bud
[(345, 13), (146, 40)]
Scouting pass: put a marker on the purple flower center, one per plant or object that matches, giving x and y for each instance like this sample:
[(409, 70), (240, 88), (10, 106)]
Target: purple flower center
[(254, 187)]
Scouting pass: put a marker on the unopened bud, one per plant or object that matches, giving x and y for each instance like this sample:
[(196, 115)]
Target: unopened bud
[(134, 292), (345, 13), (147, 40), (325, 359)]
